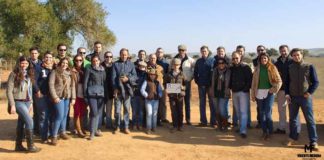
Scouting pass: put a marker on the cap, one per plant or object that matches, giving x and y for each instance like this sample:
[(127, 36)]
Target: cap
[(151, 71), (182, 46)]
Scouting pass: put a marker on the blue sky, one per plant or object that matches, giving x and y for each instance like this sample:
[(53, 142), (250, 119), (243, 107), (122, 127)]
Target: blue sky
[(148, 24)]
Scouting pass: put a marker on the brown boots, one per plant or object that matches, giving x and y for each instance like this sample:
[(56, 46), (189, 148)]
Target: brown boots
[(29, 139), (78, 127)]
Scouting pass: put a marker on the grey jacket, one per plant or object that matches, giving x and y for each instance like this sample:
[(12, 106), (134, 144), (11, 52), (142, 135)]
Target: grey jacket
[(93, 84), (20, 92), (57, 86)]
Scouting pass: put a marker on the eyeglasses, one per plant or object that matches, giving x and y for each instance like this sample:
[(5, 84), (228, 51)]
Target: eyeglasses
[(108, 56), (82, 52), (62, 50)]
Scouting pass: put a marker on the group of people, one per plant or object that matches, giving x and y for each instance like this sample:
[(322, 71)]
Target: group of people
[(53, 85)]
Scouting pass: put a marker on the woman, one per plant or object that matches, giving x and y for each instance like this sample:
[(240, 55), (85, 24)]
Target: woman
[(62, 90), (80, 105), (175, 76), (93, 89), (221, 92), (151, 91), (109, 97), (266, 82), (19, 94), (43, 100)]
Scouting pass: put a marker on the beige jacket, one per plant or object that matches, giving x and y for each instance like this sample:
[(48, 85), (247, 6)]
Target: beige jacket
[(56, 85), (13, 93), (274, 78)]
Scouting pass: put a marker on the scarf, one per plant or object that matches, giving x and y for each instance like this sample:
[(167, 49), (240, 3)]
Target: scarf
[(221, 79)]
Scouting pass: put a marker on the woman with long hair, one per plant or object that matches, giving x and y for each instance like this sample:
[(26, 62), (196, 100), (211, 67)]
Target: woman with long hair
[(19, 94), (62, 90), (266, 83), (80, 104)]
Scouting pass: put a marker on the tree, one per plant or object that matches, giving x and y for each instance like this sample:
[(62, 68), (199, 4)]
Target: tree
[(272, 52), (27, 23), (306, 52)]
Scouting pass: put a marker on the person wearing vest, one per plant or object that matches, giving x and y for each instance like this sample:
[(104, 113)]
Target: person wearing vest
[(138, 101), (80, 104), (109, 98), (160, 74), (62, 91), (94, 93), (202, 77), (175, 76), (42, 97), (301, 84), (187, 67), (97, 51), (282, 64), (221, 93), (265, 84), (20, 99), (151, 90), (240, 84)]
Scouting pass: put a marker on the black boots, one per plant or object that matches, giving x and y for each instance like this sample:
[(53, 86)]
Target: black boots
[(19, 147), (30, 142)]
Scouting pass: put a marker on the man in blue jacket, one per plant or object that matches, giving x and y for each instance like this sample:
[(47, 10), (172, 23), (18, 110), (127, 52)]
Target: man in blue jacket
[(202, 77), (123, 78), (301, 83)]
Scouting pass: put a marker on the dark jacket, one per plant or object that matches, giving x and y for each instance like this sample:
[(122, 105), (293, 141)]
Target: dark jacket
[(241, 78), (93, 84), (227, 59), (302, 78), (151, 90), (42, 79), (164, 63), (126, 68), (109, 92), (225, 91), (203, 72), (101, 56), (141, 77), (283, 69)]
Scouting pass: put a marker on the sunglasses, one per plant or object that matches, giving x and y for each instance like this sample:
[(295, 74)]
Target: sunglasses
[(82, 52), (108, 56), (62, 50)]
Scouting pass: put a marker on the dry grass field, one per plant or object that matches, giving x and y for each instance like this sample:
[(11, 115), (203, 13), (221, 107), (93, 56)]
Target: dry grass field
[(194, 143)]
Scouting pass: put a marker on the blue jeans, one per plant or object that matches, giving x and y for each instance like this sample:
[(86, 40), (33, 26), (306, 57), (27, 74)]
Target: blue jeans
[(240, 102), (151, 107), (265, 107), (187, 100), (44, 107), (22, 109), (202, 106), (61, 110), (96, 106), (118, 104), (306, 104), (137, 110), (108, 105), (235, 118), (221, 107)]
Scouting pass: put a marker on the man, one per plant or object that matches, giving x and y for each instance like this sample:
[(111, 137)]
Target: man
[(282, 65), (240, 84), (220, 52), (82, 51), (141, 57), (123, 78), (162, 113), (187, 67), (61, 50), (34, 54), (301, 83), (202, 77), (97, 50), (160, 74)]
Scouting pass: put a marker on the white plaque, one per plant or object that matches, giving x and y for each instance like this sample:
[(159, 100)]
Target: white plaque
[(173, 88)]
